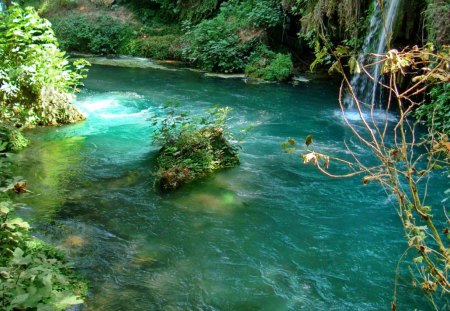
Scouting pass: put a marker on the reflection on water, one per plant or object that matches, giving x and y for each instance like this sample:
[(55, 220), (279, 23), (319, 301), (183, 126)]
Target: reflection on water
[(268, 235)]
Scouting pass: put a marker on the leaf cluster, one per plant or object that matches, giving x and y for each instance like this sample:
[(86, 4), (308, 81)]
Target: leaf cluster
[(268, 65), (224, 42), (101, 36), (11, 138), (31, 64)]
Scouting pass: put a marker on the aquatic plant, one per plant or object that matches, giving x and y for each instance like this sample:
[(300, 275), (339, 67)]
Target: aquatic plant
[(192, 147)]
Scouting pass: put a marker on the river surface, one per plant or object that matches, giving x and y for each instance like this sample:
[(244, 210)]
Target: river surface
[(271, 234)]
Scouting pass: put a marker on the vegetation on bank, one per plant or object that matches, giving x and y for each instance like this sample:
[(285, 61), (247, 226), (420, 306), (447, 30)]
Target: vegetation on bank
[(36, 83), (36, 80), (33, 274), (192, 148), (225, 36)]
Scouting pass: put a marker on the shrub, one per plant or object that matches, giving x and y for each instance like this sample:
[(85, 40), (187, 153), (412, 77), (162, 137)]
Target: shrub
[(224, 42), (267, 65), (30, 65), (436, 112), (103, 35), (11, 139), (156, 47), (192, 147), (33, 274), (215, 46)]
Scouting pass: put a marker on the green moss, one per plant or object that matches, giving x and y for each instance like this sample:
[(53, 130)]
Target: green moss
[(267, 65)]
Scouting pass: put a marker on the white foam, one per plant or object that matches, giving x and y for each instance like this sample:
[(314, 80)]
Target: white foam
[(376, 116), (99, 105)]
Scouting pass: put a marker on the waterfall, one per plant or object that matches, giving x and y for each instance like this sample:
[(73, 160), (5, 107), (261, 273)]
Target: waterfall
[(376, 41)]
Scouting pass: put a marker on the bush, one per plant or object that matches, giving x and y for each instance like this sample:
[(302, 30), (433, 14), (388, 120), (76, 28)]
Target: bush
[(11, 139), (192, 148), (214, 45), (156, 47), (33, 274), (267, 65), (31, 64), (79, 33), (435, 114), (224, 42)]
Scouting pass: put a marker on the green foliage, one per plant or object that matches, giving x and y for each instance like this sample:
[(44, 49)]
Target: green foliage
[(436, 112), (192, 147), (35, 76), (11, 139), (268, 65), (437, 25), (192, 10), (224, 42), (80, 33), (215, 46), (33, 274), (156, 47)]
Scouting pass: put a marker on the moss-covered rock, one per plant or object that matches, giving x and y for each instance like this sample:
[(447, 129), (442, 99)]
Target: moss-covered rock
[(56, 108), (193, 155)]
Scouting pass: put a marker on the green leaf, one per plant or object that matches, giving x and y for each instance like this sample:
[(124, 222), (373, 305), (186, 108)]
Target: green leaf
[(19, 299), (418, 259), (70, 300), (4, 210), (18, 258)]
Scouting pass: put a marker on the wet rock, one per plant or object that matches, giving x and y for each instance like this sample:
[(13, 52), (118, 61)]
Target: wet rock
[(130, 62), (300, 79), (225, 75)]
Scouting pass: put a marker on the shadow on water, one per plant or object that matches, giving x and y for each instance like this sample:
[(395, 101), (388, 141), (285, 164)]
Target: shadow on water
[(268, 235)]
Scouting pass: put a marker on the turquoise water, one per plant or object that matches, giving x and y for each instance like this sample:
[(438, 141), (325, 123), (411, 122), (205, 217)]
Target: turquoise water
[(271, 234)]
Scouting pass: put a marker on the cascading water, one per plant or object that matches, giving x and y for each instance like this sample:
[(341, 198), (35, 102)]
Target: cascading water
[(376, 42)]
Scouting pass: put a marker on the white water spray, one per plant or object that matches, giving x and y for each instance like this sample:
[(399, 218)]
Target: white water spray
[(376, 42)]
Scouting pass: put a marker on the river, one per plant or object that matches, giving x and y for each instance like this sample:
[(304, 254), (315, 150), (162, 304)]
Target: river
[(271, 234)]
